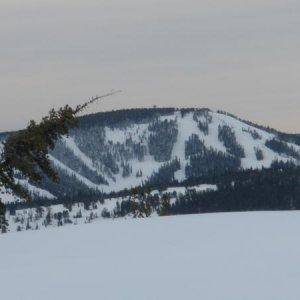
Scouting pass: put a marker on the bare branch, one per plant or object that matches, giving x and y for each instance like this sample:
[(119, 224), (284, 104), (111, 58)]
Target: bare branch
[(83, 106)]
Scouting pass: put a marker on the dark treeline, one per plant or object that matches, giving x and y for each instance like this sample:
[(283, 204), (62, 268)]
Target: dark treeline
[(282, 147), (81, 197), (227, 136), (165, 174), (119, 117), (287, 137), (162, 139), (275, 188)]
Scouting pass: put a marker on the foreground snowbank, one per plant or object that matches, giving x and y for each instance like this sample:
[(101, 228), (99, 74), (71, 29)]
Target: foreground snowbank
[(217, 256)]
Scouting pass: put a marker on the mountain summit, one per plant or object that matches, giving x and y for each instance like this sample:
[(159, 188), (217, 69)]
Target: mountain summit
[(118, 150)]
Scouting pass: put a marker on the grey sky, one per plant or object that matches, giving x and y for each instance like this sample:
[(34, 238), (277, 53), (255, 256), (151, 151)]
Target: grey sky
[(237, 55)]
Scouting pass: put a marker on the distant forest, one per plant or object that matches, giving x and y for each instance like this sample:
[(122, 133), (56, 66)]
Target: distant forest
[(275, 188)]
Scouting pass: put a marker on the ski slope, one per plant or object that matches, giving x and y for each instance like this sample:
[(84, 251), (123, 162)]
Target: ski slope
[(186, 126), (78, 158), (241, 256)]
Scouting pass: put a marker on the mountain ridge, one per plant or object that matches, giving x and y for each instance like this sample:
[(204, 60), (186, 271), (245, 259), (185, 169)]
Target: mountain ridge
[(117, 150)]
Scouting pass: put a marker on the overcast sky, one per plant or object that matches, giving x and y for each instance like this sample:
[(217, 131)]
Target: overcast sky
[(237, 55)]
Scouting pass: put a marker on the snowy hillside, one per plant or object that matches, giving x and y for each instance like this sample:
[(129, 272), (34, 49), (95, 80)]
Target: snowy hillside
[(218, 256), (84, 212), (119, 150)]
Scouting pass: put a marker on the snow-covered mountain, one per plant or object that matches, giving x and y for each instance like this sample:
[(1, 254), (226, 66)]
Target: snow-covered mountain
[(121, 149)]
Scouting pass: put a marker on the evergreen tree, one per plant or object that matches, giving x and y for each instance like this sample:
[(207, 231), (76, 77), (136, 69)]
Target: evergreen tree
[(259, 154), (26, 152), (3, 221), (282, 147), (140, 207), (48, 218), (227, 135), (165, 208), (105, 213)]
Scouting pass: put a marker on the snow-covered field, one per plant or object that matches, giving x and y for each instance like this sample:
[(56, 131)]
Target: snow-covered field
[(241, 256)]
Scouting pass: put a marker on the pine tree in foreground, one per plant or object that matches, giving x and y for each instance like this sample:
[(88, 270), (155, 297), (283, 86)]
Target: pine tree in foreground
[(26, 152)]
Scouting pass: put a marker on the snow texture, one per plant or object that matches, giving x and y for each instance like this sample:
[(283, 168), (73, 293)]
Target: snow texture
[(216, 256)]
